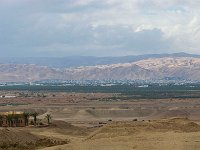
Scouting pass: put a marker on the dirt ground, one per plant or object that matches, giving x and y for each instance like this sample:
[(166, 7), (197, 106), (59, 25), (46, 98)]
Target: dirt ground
[(89, 122), (179, 134)]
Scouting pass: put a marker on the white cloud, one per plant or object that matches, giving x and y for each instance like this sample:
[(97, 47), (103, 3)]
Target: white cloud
[(94, 27)]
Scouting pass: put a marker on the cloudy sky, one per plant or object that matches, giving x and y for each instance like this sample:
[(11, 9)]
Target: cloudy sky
[(98, 27)]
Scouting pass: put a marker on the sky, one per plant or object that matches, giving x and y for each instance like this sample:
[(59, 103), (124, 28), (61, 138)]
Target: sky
[(57, 28)]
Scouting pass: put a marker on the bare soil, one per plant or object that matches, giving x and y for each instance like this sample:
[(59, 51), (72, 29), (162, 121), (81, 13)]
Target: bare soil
[(85, 122)]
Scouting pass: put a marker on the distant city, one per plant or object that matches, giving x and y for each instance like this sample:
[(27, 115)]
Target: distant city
[(136, 83)]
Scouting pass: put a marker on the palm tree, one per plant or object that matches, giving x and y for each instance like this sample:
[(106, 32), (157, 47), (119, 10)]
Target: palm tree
[(26, 118), (1, 120), (9, 118), (34, 115), (48, 117), (15, 118)]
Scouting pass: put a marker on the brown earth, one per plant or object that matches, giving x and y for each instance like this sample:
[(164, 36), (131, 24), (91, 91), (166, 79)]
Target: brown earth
[(90, 123), (19, 139), (176, 133), (167, 134)]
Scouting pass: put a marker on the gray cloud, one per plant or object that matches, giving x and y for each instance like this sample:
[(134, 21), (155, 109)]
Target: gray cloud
[(97, 27)]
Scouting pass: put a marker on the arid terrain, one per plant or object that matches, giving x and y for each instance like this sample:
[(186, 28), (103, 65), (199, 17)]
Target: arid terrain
[(99, 75), (90, 121)]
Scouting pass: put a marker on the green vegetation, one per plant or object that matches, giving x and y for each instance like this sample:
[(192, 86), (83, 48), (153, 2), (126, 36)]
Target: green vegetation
[(26, 118), (153, 91), (34, 115)]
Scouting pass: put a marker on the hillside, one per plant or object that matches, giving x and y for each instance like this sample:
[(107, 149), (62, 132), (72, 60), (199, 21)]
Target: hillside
[(77, 61), (147, 69)]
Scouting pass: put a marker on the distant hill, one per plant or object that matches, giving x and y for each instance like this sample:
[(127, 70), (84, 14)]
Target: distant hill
[(77, 61), (179, 66), (182, 68)]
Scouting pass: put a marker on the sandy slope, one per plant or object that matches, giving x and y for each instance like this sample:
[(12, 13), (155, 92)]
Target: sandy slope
[(174, 134), (143, 141), (165, 134)]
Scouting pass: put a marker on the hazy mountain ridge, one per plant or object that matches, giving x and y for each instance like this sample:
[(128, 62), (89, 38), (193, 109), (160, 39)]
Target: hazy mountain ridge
[(148, 69), (77, 61), (171, 66)]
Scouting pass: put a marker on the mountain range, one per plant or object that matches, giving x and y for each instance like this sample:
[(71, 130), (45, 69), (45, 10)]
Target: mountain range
[(77, 61), (179, 66)]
